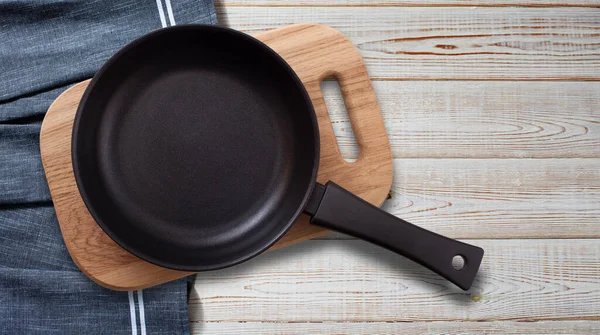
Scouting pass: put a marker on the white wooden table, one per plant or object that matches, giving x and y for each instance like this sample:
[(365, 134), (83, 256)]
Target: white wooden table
[(493, 113)]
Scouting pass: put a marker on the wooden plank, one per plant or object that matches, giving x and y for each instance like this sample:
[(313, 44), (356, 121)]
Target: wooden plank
[(443, 119), (353, 281), (499, 198), (390, 3), (455, 42), (438, 328)]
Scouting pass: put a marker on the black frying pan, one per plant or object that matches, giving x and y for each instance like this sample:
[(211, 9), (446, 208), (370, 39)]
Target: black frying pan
[(197, 147)]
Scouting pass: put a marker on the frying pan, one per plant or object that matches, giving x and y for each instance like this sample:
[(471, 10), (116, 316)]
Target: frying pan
[(197, 147)]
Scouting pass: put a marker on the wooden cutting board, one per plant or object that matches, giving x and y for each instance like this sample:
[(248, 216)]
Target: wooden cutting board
[(315, 52)]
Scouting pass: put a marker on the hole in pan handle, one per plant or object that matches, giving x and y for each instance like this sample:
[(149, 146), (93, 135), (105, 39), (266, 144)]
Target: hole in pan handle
[(334, 208)]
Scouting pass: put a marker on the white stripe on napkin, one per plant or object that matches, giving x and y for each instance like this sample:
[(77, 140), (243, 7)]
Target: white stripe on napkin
[(132, 313), (161, 13), (170, 12), (142, 314)]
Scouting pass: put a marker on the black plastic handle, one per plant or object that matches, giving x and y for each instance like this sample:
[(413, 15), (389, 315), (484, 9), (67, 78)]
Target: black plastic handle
[(334, 208)]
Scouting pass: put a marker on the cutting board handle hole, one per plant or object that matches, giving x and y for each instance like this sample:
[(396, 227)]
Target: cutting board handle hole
[(340, 120)]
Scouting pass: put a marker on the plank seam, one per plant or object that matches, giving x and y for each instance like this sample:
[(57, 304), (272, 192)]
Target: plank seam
[(424, 5)]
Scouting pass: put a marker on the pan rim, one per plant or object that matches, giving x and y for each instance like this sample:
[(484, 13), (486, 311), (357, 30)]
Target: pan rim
[(77, 133)]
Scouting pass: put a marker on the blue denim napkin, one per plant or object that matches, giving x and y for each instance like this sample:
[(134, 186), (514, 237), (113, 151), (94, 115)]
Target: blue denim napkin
[(45, 47)]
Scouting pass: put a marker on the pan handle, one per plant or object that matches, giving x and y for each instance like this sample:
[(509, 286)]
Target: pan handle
[(334, 208)]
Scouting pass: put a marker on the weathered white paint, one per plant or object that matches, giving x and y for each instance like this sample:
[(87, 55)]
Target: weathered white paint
[(431, 328), (485, 119), (353, 281), (499, 198), (454, 42), (388, 3)]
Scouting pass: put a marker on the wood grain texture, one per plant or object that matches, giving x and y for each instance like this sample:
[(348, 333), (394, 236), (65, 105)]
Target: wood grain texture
[(432, 328), (499, 198), (324, 52), (489, 119), (353, 281), (454, 43), (420, 3)]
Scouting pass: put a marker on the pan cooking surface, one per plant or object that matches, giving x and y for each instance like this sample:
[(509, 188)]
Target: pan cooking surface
[(195, 147)]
